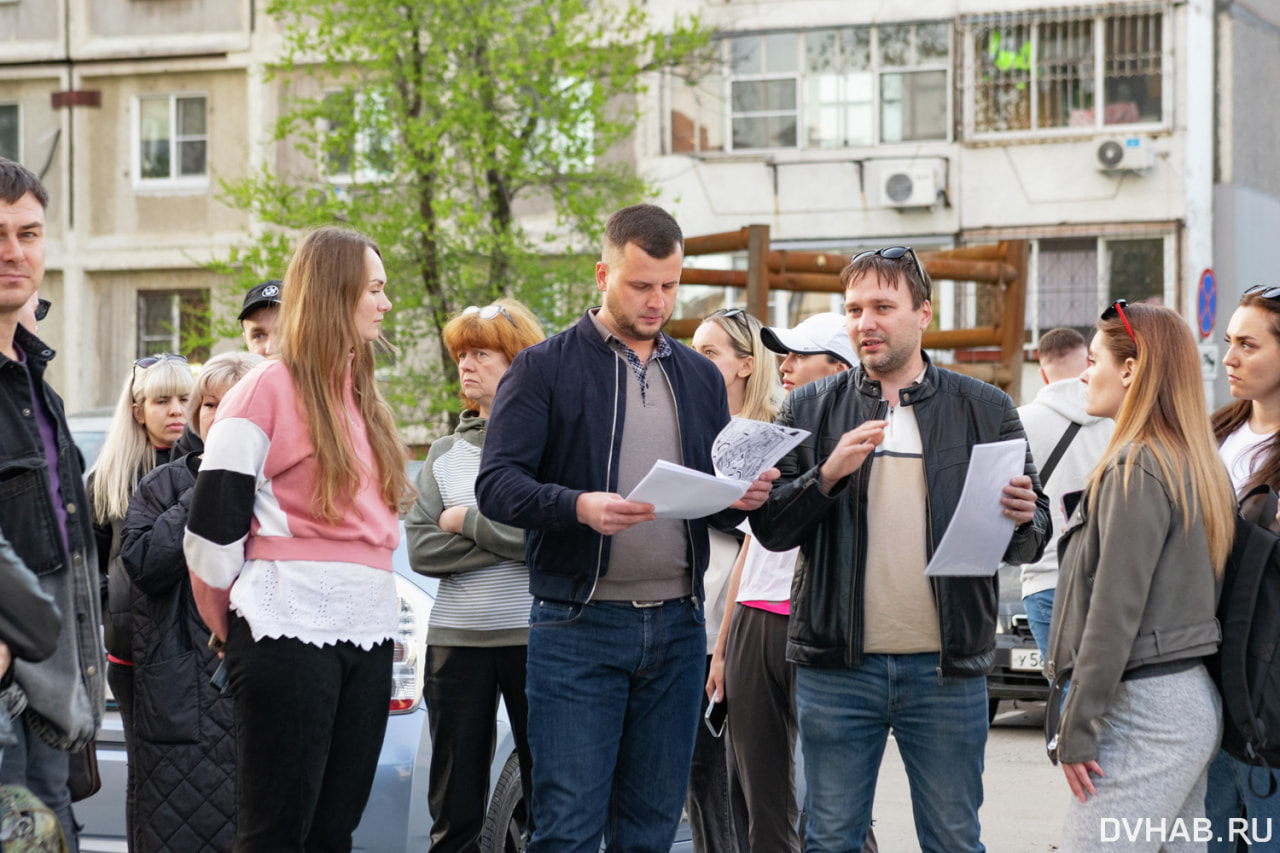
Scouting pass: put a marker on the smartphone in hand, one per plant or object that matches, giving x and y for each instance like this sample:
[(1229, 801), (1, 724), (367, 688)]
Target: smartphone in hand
[(219, 679), (714, 719)]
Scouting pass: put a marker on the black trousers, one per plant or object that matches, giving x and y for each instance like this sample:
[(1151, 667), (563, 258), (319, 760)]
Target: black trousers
[(120, 680), (462, 689), (311, 721)]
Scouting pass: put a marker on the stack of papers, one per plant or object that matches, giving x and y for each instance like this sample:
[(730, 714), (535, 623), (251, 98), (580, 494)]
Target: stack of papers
[(742, 451)]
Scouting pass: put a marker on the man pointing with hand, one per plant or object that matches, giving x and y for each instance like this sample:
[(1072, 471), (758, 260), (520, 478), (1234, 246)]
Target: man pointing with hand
[(867, 497)]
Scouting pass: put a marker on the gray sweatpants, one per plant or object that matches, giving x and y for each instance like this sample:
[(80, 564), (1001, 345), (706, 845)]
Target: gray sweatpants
[(1155, 745)]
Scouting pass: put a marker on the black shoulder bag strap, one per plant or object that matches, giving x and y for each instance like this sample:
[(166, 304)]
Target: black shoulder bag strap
[(1056, 456)]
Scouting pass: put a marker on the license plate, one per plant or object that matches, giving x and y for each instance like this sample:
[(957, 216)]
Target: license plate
[(1025, 659)]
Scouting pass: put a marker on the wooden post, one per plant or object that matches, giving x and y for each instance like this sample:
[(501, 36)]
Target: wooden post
[(758, 272), (1013, 325)]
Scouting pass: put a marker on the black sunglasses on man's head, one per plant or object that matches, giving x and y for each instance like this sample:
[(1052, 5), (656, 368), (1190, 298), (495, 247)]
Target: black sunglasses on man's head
[(893, 253), (1266, 291)]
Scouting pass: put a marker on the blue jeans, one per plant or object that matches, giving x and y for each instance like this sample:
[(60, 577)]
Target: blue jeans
[(613, 709), (940, 726), (31, 762), (1230, 795), (1039, 611)]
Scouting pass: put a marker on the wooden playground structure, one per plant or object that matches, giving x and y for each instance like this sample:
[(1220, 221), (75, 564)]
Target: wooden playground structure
[(1002, 266)]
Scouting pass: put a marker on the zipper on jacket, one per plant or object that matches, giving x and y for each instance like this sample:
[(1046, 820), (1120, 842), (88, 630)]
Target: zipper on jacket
[(929, 545), (860, 567), (608, 472)]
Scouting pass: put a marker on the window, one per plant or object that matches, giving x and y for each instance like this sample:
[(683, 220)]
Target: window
[(825, 88), (913, 81), (173, 321), (173, 140), (1075, 278), (10, 138), (362, 150), (1032, 73), (763, 98)]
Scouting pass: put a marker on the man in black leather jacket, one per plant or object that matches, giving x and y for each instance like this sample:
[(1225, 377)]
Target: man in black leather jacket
[(867, 497)]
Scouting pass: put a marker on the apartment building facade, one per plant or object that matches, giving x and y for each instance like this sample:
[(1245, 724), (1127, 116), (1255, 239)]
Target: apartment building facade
[(1129, 141)]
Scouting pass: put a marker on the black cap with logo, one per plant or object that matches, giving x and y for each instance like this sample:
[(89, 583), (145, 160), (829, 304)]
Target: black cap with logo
[(260, 296)]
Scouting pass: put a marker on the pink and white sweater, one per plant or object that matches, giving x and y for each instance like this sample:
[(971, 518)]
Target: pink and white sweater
[(253, 542)]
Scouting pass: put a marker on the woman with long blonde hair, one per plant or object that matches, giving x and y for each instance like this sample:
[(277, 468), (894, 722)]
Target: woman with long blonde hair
[(148, 420), (291, 531), (1134, 609)]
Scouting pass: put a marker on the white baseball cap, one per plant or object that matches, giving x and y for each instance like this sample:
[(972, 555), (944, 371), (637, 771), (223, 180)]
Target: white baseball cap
[(820, 333)]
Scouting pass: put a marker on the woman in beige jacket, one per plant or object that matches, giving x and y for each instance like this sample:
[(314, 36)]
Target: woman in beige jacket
[(1134, 608)]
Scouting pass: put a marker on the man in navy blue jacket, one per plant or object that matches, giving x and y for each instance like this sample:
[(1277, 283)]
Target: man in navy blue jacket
[(617, 644)]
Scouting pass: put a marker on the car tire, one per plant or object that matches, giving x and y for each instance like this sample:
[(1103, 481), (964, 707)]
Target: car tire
[(508, 817), (993, 705)]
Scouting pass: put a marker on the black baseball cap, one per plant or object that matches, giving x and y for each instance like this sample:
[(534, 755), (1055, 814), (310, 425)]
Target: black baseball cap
[(260, 296)]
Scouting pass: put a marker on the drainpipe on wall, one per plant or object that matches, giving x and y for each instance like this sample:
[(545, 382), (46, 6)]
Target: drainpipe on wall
[(1199, 124)]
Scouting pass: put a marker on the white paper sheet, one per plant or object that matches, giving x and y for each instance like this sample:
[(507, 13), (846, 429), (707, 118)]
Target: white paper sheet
[(979, 532), (745, 449), (679, 492)]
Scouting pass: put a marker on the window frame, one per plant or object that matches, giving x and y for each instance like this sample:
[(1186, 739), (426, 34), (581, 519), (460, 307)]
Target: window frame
[(801, 76), (197, 302), (1098, 17), (17, 158), (173, 181), (362, 174), (1102, 282)]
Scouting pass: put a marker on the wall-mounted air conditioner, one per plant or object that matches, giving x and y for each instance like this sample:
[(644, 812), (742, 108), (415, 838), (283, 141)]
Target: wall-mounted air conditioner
[(1125, 154), (911, 183)]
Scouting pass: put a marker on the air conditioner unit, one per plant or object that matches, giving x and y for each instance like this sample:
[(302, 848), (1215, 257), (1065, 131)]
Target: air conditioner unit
[(1126, 154), (911, 183)]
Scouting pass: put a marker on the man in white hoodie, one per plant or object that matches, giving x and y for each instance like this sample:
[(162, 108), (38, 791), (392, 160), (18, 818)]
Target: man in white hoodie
[(1057, 409)]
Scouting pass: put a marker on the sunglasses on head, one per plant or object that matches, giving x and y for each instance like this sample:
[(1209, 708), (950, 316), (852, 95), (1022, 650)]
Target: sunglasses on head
[(488, 312), (152, 360), (893, 253), (728, 313), (42, 308), (1116, 309), (1266, 291)]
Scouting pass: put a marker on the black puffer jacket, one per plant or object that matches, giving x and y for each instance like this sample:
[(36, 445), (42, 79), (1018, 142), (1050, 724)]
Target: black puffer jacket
[(185, 731)]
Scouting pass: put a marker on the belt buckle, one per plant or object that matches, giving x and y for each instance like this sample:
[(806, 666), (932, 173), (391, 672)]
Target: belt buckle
[(646, 604)]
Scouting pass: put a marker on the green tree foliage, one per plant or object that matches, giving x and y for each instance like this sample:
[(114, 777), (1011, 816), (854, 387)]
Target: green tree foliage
[(437, 127)]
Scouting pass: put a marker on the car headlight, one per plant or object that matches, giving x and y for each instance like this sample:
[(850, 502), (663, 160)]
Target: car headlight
[(410, 652)]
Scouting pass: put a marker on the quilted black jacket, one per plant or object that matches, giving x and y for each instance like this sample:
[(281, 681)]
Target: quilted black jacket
[(185, 730)]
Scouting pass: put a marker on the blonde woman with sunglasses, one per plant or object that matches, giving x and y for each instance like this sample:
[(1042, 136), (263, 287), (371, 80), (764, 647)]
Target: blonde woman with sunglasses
[(1133, 614), (149, 416)]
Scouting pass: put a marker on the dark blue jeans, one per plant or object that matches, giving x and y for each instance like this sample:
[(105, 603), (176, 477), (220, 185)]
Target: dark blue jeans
[(940, 726), (1230, 795), (613, 707), (43, 770)]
